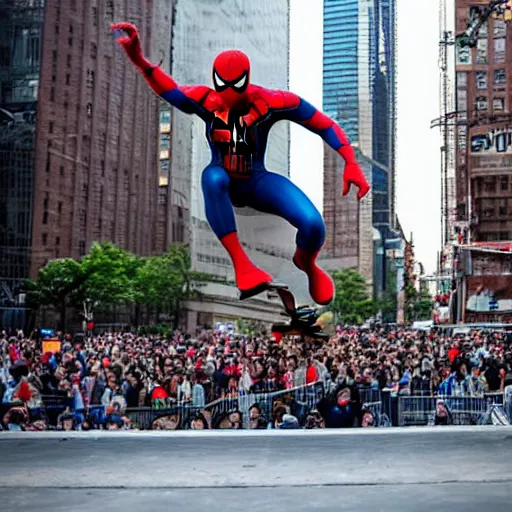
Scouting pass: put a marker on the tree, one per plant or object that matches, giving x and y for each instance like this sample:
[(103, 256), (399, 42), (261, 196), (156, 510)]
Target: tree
[(110, 275), (352, 303), (166, 281), (56, 285)]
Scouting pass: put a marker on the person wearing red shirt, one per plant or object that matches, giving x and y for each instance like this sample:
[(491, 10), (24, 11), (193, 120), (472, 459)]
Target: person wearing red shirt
[(311, 373)]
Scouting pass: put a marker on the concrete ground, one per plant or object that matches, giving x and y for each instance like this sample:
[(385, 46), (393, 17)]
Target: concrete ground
[(400, 470)]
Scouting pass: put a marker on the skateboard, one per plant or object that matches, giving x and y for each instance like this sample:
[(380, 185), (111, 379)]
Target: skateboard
[(304, 320)]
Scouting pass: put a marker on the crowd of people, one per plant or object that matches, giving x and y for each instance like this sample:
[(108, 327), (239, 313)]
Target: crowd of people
[(119, 372)]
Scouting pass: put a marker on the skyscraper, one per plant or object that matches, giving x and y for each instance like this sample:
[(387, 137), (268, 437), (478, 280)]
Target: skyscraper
[(359, 93), (21, 25), (201, 30)]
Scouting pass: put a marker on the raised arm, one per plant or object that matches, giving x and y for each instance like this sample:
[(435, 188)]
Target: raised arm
[(189, 99), (300, 111)]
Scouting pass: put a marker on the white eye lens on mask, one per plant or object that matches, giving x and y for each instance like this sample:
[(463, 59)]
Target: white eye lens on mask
[(218, 80), (240, 82)]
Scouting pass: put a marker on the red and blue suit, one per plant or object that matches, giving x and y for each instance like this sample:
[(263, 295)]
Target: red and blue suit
[(238, 117)]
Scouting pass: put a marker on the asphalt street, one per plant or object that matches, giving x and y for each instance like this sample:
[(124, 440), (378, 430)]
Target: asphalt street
[(453, 469)]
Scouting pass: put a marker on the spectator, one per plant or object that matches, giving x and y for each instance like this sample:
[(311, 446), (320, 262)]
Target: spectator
[(119, 370)]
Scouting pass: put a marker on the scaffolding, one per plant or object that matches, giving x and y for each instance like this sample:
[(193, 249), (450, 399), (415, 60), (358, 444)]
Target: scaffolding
[(446, 122)]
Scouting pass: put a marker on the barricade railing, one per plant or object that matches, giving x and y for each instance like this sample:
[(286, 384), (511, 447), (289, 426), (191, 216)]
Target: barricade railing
[(299, 401), (256, 410), (444, 410)]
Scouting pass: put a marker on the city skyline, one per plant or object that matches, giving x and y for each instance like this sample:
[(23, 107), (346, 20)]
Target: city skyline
[(417, 106)]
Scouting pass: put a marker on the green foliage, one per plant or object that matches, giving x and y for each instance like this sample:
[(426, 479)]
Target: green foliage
[(352, 304), (165, 281), (108, 276), (56, 282)]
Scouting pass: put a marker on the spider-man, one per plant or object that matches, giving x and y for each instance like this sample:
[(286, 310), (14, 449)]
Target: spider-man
[(238, 117)]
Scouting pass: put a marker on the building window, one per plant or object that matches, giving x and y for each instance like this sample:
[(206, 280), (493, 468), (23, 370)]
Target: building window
[(500, 78), (484, 30), (481, 103), (502, 208), (57, 28), (94, 51), (499, 29), (59, 207), (82, 218), (109, 9), (68, 79), (498, 104), (481, 51), (462, 100), (52, 94), (490, 185), (45, 217), (44, 238), (488, 212), (499, 50), (90, 78), (50, 127), (504, 183), (462, 79), (61, 170), (81, 248), (57, 240), (481, 79), (54, 78)]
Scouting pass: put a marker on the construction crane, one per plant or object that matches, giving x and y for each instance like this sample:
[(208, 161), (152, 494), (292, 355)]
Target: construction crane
[(479, 15)]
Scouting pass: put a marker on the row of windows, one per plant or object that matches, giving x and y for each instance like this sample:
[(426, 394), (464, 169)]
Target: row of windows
[(495, 237), (499, 75), (337, 54), (492, 184), (465, 55), (341, 77)]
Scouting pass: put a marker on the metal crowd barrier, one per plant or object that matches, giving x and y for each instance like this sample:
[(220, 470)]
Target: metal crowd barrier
[(235, 412), (300, 401), (454, 410)]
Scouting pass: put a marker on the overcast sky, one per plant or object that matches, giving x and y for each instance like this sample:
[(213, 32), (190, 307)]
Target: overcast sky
[(418, 156)]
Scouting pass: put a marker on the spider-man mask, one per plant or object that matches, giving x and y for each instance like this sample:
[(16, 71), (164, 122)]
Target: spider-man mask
[(231, 73)]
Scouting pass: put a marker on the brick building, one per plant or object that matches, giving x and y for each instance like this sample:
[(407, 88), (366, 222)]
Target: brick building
[(96, 164), (484, 129)]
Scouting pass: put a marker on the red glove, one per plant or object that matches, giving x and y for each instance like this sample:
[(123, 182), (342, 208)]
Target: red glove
[(131, 43), (353, 175)]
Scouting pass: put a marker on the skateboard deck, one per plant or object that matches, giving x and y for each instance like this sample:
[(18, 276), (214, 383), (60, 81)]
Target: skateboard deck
[(302, 319)]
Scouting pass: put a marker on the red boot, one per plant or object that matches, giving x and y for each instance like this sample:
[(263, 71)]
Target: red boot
[(321, 286), (250, 279)]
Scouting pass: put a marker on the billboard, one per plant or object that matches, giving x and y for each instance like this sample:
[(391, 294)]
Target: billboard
[(489, 294), (495, 141)]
